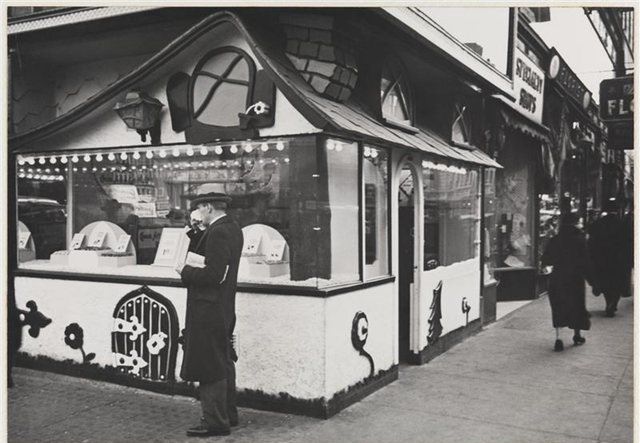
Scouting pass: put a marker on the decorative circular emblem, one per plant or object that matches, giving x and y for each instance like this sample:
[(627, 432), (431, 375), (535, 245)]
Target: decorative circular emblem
[(359, 330), (586, 99), (554, 66)]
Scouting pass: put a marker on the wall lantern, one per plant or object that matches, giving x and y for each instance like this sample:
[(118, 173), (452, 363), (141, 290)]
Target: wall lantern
[(141, 112)]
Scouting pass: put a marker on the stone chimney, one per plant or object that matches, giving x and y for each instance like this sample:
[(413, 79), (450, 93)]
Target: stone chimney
[(322, 53)]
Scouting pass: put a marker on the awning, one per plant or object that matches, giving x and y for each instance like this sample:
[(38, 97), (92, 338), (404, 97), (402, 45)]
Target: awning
[(515, 119), (69, 16)]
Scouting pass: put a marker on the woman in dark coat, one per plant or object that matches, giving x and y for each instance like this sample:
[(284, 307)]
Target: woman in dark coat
[(607, 252), (567, 254)]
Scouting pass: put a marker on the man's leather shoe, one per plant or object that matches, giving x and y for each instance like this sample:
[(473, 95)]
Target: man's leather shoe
[(233, 422), (204, 431)]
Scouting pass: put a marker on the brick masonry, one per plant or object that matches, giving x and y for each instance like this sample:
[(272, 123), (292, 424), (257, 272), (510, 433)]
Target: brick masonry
[(321, 53)]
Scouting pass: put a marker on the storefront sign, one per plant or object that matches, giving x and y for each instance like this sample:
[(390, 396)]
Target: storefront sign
[(620, 135), (616, 99), (568, 80), (528, 83)]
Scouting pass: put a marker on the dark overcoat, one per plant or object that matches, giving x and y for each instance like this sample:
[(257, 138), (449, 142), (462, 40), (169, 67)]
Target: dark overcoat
[(567, 253), (607, 251), (211, 298)]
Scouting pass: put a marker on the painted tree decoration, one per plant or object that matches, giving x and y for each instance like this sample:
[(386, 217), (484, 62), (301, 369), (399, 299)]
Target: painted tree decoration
[(435, 327), (359, 334), (144, 339), (33, 318), (74, 338)]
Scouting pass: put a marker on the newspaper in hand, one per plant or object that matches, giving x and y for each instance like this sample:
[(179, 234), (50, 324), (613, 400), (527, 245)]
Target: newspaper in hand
[(195, 260)]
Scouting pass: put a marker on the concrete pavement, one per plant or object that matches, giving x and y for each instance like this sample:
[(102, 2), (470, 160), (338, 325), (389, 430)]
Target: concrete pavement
[(504, 384)]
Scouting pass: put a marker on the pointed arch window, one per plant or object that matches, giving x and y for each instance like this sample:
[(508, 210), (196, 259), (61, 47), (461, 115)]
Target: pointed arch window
[(395, 97)]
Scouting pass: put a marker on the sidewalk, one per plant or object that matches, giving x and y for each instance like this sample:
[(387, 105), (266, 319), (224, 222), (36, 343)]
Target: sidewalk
[(504, 384)]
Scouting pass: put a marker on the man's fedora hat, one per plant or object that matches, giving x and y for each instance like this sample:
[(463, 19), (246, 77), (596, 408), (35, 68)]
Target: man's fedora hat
[(209, 197)]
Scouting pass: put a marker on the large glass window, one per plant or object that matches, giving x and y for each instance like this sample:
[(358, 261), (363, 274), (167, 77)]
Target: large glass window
[(42, 215), (144, 194), (451, 214), (342, 173), (376, 212), (128, 211)]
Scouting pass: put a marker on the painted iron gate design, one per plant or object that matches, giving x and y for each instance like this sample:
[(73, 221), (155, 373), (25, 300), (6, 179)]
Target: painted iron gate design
[(144, 339)]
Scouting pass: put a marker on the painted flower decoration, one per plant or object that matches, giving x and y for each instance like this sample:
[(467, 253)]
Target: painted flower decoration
[(74, 336)]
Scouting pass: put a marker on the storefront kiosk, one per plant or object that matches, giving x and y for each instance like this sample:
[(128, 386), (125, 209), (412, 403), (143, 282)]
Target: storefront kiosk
[(361, 227)]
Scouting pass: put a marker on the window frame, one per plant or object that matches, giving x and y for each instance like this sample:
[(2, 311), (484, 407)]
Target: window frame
[(394, 66), (363, 276), (197, 70)]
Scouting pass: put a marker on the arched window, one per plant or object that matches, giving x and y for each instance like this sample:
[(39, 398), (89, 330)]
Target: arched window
[(394, 95), (222, 87)]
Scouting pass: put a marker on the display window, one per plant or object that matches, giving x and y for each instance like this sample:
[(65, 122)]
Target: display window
[(515, 209), (126, 212), (375, 172), (42, 208), (490, 232), (342, 199), (451, 214)]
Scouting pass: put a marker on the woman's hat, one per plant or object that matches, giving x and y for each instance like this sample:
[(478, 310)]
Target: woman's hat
[(209, 197)]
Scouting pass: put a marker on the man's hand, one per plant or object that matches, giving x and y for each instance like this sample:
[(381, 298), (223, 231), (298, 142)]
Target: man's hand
[(179, 268)]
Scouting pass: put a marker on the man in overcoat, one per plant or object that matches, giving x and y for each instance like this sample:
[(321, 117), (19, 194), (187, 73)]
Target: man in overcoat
[(210, 318)]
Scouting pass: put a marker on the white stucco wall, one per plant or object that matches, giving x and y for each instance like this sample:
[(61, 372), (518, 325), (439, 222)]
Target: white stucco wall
[(344, 364), (103, 128), (280, 339), (281, 344), (460, 280)]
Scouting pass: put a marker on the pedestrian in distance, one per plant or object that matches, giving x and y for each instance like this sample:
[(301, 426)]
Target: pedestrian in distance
[(566, 254), (607, 250), (209, 357)]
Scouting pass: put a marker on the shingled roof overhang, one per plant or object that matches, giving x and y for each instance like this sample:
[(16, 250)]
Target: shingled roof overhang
[(336, 118)]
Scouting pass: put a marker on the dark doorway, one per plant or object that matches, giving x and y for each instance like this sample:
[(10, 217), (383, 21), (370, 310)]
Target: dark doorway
[(406, 251)]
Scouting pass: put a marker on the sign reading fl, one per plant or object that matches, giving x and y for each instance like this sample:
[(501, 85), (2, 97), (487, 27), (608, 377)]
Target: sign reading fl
[(616, 99), (528, 84)]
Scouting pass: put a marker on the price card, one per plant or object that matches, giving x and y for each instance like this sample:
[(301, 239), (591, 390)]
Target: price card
[(252, 245), (76, 242), (275, 252), (23, 239), (123, 243), (97, 239)]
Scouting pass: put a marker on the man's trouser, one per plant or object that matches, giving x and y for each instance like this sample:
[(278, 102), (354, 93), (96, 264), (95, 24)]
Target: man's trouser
[(218, 400)]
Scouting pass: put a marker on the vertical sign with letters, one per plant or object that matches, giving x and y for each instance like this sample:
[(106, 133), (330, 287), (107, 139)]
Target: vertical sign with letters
[(528, 84)]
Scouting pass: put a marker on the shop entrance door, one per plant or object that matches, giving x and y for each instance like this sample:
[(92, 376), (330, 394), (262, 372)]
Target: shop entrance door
[(406, 259)]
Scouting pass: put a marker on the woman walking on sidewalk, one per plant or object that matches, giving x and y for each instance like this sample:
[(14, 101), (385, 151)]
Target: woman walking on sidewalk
[(567, 254)]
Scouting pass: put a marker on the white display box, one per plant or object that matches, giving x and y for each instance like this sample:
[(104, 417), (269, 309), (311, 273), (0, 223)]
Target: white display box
[(60, 258), (116, 261), (265, 270), (85, 259)]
